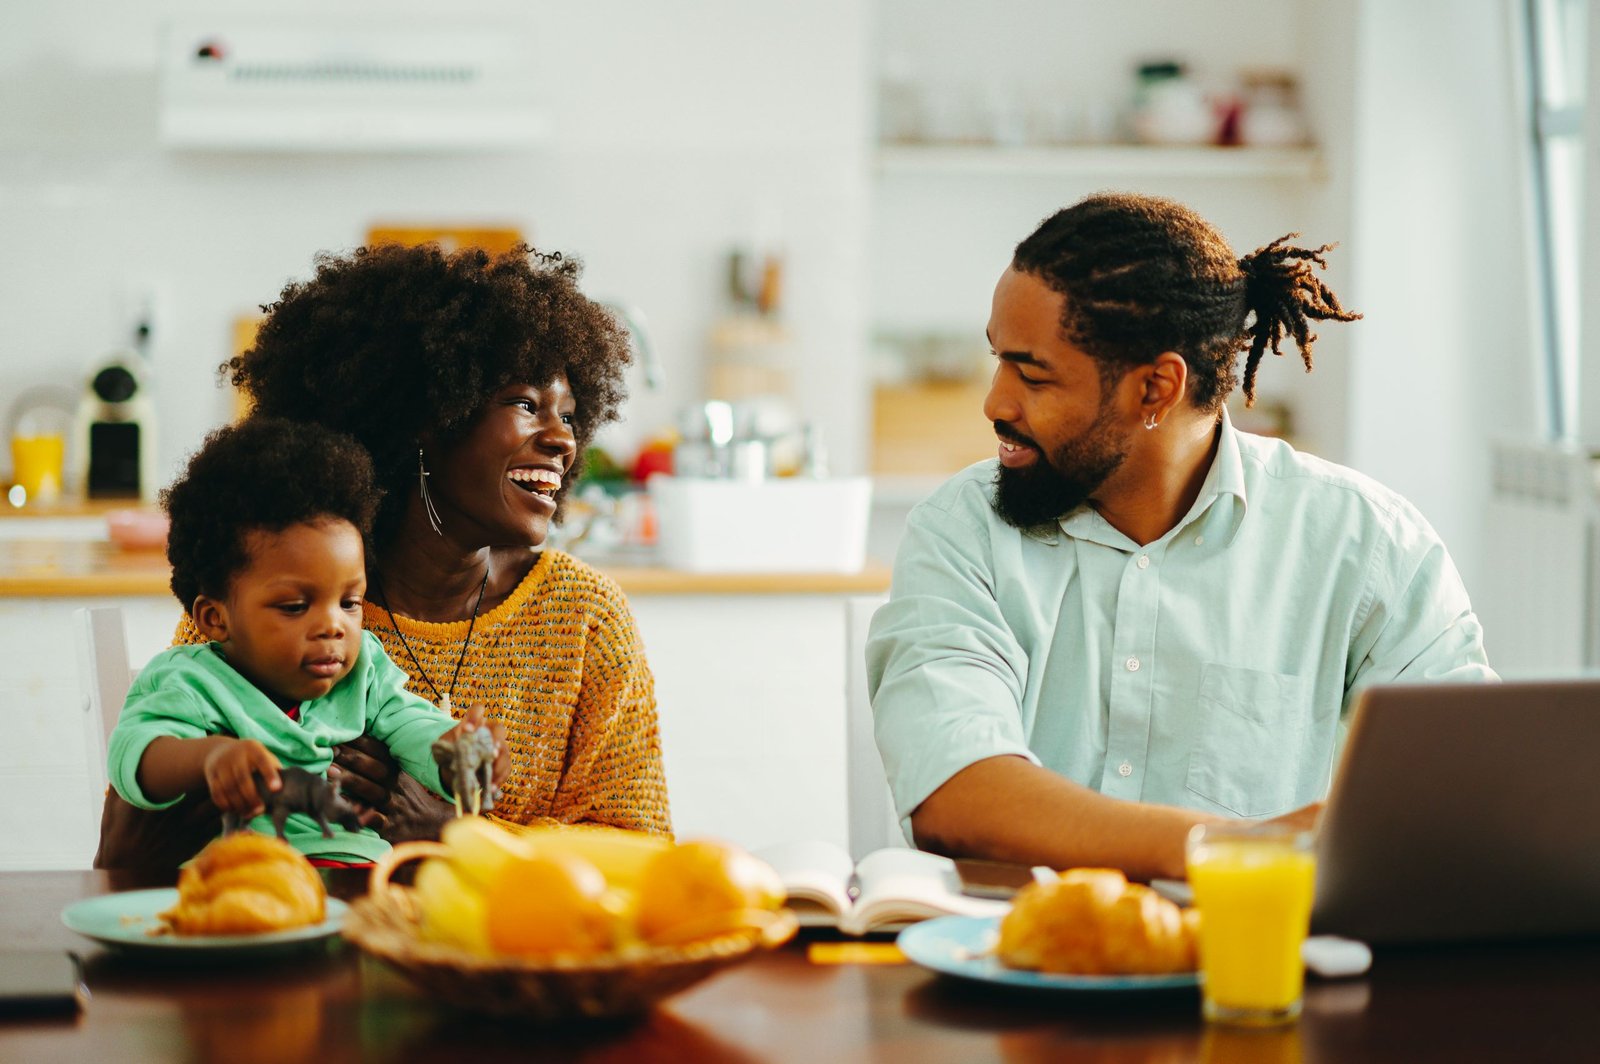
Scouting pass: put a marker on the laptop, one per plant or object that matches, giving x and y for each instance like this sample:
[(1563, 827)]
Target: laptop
[(1465, 811)]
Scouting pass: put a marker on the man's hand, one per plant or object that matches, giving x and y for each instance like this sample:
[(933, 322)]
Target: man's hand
[(230, 769)]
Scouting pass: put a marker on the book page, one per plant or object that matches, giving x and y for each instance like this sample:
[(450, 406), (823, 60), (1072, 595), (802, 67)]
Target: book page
[(901, 886), (816, 876)]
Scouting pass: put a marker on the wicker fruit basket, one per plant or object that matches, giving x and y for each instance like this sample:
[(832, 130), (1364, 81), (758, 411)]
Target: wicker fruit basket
[(386, 924)]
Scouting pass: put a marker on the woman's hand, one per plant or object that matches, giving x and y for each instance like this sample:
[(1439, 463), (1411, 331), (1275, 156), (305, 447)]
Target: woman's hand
[(414, 812), (366, 775), (230, 770)]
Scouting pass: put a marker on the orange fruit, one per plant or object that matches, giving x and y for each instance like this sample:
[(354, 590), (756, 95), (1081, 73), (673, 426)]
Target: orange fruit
[(551, 903), (696, 884)]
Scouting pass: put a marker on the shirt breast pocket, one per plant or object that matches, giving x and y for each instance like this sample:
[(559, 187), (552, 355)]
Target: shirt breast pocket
[(1246, 755)]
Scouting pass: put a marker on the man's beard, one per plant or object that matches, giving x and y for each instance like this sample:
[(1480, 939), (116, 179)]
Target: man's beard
[(1056, 484)]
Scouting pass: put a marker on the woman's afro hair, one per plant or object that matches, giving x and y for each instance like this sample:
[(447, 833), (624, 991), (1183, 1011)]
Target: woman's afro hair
[(389, 342)]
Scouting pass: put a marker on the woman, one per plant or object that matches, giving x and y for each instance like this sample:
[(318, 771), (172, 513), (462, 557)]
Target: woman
[(475, 383)]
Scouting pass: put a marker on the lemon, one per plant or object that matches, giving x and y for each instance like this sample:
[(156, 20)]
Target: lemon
[(694, 890)]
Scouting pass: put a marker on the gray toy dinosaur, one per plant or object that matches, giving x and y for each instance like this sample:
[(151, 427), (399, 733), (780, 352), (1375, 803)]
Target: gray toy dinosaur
[(471, 758), (302, 792)]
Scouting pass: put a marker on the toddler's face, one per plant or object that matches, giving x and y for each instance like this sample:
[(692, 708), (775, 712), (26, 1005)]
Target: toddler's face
[(293, 616)]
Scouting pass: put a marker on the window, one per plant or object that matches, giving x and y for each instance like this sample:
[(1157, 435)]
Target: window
[(1556, 32)]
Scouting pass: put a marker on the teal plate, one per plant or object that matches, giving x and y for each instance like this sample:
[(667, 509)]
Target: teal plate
[(125, 921), (963, 946)]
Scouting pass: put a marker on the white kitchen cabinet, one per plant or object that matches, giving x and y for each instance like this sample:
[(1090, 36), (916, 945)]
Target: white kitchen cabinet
[(51, 778), (750, 688)]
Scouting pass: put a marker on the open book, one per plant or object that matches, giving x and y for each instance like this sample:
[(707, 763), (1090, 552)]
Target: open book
[(885, 891)]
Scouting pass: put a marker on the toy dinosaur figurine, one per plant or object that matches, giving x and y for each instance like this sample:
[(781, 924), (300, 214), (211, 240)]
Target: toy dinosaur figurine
[(302, 792), (471, 759)]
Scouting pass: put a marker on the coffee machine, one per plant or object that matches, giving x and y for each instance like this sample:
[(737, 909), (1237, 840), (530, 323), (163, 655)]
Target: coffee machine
[(116, 429)]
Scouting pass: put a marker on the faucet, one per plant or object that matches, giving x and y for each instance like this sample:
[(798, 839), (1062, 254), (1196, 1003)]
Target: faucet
[(644, 350)]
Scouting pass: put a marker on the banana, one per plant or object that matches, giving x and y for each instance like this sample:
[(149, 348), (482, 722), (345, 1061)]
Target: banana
[(480, 849), (620, 855), (453, 911)]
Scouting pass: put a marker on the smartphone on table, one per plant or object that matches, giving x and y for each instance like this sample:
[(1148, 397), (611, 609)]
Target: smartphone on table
[(40, 983)]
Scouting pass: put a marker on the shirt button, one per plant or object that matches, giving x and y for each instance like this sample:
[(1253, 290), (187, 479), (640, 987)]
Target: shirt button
[(1133, 664), (1124, 769), (1199, 540), (1144, 561)]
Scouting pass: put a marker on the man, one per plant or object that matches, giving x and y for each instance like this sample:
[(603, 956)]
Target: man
[(1138, 618)]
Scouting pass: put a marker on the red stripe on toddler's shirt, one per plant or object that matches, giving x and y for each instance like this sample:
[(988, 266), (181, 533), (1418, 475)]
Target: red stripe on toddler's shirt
[(324, 862), (293, 713)]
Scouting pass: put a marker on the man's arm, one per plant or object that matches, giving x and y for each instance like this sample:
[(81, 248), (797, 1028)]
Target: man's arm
[(1009, 809)]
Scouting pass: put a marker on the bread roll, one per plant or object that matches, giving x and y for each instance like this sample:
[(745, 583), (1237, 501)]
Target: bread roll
[(1092, 921), (246, 884)]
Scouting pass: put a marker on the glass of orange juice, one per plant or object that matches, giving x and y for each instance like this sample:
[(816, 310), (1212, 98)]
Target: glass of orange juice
[(1253, 884), (36, 463)]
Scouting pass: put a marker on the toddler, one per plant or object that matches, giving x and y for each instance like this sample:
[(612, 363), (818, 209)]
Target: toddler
[(267, 557)]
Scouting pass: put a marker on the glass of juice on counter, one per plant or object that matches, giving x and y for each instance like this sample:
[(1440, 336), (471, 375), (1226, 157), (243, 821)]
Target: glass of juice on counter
[(36, 464), (1253, 884)]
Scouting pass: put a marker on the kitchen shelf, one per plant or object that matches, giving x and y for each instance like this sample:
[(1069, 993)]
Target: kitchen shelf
[(1099, 159)]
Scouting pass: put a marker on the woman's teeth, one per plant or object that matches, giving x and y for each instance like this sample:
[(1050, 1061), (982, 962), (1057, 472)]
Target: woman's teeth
[(543, 481)]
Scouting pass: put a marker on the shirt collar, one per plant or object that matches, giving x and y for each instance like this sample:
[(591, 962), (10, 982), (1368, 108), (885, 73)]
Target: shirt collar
[(1224, 477)]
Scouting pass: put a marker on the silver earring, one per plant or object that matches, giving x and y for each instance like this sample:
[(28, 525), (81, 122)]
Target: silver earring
[(1150, 422), (427, 501)]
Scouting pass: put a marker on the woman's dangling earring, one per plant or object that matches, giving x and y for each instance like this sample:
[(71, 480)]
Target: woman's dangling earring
[(427, 501), (1150, 421)]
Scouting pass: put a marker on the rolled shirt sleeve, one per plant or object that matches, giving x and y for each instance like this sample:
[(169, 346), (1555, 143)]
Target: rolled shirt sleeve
[(1419, 624), (944, 671)]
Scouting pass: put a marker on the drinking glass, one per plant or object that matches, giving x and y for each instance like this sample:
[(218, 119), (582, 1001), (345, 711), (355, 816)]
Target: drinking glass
[(1253, 884)]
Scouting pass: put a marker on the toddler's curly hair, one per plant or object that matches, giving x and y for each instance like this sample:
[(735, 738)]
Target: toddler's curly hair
[(263, 474)]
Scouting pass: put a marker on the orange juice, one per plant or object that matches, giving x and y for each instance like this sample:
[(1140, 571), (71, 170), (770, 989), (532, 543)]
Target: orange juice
[(36, 463), (1254, 896)]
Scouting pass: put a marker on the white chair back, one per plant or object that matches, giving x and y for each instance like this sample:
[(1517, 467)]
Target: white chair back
[(104, 676), (873, 823)]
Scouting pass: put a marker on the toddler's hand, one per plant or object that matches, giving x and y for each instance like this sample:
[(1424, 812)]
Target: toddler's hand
[(230, 775)]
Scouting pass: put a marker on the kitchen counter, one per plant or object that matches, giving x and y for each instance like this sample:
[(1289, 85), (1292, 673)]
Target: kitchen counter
[(72, 506), (750, 673), (43, 568)]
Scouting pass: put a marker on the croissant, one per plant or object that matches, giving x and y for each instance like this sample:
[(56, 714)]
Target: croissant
[(246, 884), (1092, 921)]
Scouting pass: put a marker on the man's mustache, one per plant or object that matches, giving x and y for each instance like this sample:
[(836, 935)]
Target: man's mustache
[(1011, 435)]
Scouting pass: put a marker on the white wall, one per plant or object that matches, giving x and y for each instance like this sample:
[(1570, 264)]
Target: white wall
[(940, 241), (1444, 360), (675, 127)]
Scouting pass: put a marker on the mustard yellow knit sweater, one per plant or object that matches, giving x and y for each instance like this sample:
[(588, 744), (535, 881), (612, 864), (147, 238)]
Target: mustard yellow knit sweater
[(560, 664)]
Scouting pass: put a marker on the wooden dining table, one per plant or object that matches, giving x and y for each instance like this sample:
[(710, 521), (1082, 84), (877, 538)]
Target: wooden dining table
[(1486, 1002)]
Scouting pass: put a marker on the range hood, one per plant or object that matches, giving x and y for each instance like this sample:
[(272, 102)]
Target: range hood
[(311, 84)]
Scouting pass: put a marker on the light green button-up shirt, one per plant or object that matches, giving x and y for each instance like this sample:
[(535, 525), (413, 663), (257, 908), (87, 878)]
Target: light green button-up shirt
[(1211, 669)]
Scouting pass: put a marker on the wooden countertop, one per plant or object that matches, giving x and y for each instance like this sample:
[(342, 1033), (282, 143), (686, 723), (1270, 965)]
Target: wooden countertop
[(73, 506), (39, 568)]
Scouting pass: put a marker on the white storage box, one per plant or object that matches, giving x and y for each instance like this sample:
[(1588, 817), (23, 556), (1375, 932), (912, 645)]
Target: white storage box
[(782, 525)]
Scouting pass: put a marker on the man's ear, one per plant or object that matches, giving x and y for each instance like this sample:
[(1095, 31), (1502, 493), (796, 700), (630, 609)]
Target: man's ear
[(1164, 382), (211, 617)]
